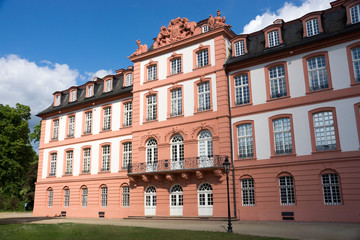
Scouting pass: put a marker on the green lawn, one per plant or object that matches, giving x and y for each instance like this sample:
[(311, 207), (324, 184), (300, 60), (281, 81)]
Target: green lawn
[(83, 231)]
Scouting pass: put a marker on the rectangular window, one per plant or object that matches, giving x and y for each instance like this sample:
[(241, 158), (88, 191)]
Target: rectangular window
[(355, 14), (53, 158), (127, 114), (204, 96), (247, 192), (245, 141), (88, 121), (242, 95), (127, 154), (312, 27), (125, 196), (105, 164), (107, 118), (50, 198), (66, 197), (239, 48), (152, 72), (90, 90), (69, 162), (128, 81), (72, 96), (108, 86), (325, 138), (84, 197), (71, 126), (57, 100), (205, 28), (277, 82), (175, 66), (151, 107), (282, 136), (273, 38), (202, 58), (176, 102), (104, 196), (286, 187), (355, 54), (317, 73), (86, 160), (55, 129), (331, 189)]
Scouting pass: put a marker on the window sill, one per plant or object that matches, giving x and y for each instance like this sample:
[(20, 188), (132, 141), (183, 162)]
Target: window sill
[(107, 130), (326, 151), (275, 99), (177, 116), (249, 158), (355, 84), (171, 75), (320, 90), (54, 140), (198, 112), (283, 155), (51, 176), (201, 67), (126, 126), (149, 81), (69, 137), (86, 134), (86, 173), (103, 172), (150, 121), (242, 105), (67, 175)]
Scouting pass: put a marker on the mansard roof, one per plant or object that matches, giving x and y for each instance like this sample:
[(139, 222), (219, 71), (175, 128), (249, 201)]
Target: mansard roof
[(334, 24), (99, 94)]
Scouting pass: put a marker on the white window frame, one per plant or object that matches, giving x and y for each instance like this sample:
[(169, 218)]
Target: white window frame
[(324, 131), (108, 85), (73, 96), (104, 196), (175, 66), (177, 152), (125, 196), (331, 189), (84, 196), (176, 102), (318, 73), (105, 163), (277, 78), (107, 118), (57, 100), (128, 81), (355, 56), (66, 197), (245, 140), (151, 107), (69, 162), (71, 126), (90, 90), (53, 158), (88, 122), (127, 114), (239, 48), (55, 135), (286, 190), (242, 89), (205, 28), (204, 98), (282, 136), (127, 154), (273, 38), (247, 192), (355, 14), (86, 160), (151, 155), (202, 58), (312, 27), (152, 72)]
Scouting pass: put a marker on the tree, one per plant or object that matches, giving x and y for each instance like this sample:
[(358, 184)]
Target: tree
[(16, 153)]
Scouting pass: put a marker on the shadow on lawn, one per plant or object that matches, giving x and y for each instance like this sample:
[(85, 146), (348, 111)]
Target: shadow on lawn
[(4, 221)]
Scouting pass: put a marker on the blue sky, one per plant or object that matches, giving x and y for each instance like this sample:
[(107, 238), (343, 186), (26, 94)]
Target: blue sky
[(50, 45)]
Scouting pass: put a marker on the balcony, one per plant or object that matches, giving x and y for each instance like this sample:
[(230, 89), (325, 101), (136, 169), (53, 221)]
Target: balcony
[(181, 165)]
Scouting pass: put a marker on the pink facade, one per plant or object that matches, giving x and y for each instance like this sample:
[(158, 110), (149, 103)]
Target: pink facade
[(282, 104)]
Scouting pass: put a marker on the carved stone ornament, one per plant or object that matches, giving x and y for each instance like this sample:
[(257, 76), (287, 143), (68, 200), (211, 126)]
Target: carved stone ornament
[(199, 174), (178, 29), (141, 49), (157, 177), (216, 22), (145, 178), (170, 177), (185, 176)]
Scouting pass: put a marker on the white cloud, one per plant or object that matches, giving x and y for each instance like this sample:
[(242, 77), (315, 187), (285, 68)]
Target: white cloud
[(100, 74), (27, 83), (287, 12)]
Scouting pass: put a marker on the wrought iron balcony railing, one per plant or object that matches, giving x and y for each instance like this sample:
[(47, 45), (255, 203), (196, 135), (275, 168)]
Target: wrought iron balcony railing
[(178, 164)]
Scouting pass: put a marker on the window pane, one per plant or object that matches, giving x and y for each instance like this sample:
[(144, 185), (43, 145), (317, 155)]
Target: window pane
[(277, 82), (242, 95), (245, 141), (324, 129), (317, 73)]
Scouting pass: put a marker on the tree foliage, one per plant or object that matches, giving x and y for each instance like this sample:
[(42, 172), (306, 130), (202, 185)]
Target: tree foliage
[(16, 153)]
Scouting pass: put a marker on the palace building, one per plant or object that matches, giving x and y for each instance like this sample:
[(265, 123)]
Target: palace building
[(282, 104)]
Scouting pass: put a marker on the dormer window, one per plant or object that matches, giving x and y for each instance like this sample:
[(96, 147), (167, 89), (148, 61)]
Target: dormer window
[(108, 85), (128, 80), (239, 48), (312, 24), (90, 90), (73, 96), (205, 28), (355, 14), (273, 38), (57, 100), (312, 27)]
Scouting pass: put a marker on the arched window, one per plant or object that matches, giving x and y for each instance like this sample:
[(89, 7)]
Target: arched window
[(50, 193), (205, 149), (205, 200), (66, 196), (286, 189), (84, 196), (177, 152), (150, 201), (247, 192), (104, 195), (176, 200), (331, 189), (151, 155)]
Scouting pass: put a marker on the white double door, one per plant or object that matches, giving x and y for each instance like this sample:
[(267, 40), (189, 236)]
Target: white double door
[(176, 204)]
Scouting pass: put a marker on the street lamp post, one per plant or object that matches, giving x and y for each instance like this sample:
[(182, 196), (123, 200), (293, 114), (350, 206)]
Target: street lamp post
[(227, 170)]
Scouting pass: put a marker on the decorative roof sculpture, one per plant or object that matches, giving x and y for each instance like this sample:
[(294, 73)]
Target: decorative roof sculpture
[(216, 22), (141, 48)]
